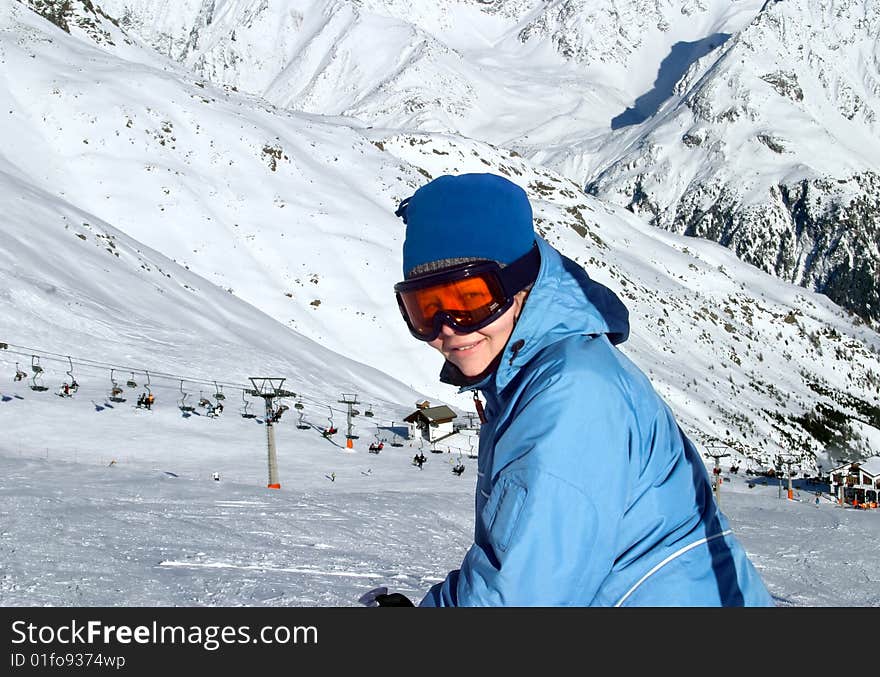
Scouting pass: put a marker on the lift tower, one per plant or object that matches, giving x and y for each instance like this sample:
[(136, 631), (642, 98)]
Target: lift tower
[(350, 400), (717, 451), (269, 389)]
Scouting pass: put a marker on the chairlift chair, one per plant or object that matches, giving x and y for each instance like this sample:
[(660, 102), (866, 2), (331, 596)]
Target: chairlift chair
[(131, 383), (368, 412), (73, 385), (331, 429), (19, 374), (245, 413), (301, 424), (115, 391), (395, 440), (185, 408), (37, 386), (35, 365), (218, 394), (378, 445)]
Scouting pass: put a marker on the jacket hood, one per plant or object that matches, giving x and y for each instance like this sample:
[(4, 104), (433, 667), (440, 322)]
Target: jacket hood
[(564, 301)]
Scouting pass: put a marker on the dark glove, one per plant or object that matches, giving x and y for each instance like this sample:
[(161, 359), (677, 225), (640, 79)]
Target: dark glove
[(394, 599)]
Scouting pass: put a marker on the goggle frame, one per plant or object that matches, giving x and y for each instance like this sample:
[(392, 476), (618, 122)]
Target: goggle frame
[(503, 284)]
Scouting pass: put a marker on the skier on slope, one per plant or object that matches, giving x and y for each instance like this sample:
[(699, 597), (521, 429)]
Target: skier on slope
[(589, 493)]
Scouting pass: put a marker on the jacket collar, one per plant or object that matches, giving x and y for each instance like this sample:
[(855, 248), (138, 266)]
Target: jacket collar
[(564, 301)]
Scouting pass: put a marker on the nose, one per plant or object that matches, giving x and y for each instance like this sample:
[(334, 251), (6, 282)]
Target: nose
[(446, 330)]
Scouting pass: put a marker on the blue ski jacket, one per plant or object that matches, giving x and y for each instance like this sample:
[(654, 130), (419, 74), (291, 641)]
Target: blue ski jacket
[(588, 492)]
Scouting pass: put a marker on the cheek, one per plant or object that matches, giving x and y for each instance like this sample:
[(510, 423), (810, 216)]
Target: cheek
[(502, 329), (437, 344)]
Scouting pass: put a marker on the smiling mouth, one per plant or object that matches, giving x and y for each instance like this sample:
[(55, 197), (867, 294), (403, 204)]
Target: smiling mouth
[(464, 348)]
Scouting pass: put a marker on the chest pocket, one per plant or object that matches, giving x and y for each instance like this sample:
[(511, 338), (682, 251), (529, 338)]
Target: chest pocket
[(502, 511)]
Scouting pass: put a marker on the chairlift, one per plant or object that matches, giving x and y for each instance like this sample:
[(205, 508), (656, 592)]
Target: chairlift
[(37, 386), (369, 411), (73, 385), (115, 391), (378, 445), (131, 383), (395, 441), (244, 410), (301, 424), (299, 404), (218, 392), (185, 408), (331, 429), (276, 415), (146, 399), (19, 374)]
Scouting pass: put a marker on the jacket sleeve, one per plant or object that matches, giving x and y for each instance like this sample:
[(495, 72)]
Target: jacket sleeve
[(549, 518)]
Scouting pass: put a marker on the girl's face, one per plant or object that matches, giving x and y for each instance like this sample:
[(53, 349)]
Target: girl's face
[(473, 353)]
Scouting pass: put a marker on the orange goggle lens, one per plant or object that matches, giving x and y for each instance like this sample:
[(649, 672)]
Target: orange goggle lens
[(466, 303)]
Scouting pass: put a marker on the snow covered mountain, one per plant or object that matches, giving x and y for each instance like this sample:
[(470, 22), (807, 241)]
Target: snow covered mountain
[(772, 147), (170, 220), (747, 122)]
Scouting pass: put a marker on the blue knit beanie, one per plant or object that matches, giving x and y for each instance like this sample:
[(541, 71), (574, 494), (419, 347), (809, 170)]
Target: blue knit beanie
[(461, 218)]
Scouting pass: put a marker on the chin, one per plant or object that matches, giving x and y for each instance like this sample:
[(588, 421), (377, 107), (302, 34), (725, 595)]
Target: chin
[(471, 368)]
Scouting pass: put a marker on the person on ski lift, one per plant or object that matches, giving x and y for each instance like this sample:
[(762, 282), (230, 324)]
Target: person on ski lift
[(590, 493)]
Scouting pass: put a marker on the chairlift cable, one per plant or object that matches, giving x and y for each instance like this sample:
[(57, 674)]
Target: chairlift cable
[(36, 355)]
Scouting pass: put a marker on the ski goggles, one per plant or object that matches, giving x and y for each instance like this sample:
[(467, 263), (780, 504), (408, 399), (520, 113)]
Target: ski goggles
[(466, 297)]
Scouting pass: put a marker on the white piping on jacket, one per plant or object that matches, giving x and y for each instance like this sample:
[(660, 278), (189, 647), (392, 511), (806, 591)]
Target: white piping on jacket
[(668, 560)]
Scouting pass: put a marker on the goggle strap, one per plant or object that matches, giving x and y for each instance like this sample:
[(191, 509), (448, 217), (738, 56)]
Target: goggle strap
[(479, 407), (521, 273)]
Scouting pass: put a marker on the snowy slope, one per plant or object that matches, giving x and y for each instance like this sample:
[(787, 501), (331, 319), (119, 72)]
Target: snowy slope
[(154, 529)]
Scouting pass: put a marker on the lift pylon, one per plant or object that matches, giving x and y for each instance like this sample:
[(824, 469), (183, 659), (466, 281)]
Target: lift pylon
[(717, 451), (350, 400), (269, 388)]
